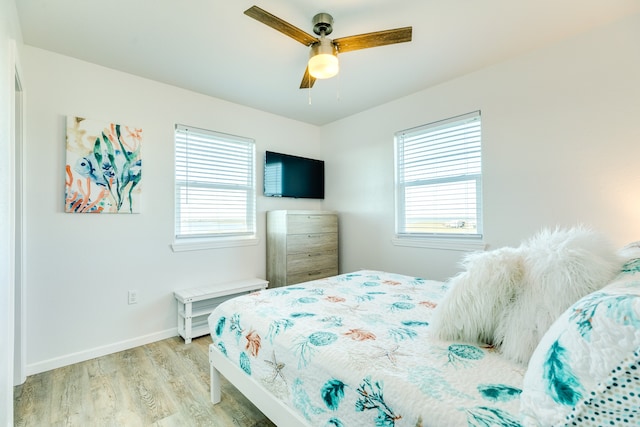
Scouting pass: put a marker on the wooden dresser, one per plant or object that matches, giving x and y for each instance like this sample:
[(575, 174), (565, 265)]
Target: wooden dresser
[(301, 246)]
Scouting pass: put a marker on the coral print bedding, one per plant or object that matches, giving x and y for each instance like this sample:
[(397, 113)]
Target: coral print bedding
[(355, 350)]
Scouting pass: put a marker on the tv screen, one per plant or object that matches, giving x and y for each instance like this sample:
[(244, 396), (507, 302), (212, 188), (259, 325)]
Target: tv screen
[(292, 176)]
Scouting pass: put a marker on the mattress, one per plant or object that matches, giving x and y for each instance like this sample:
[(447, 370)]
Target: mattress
[(355, 350)]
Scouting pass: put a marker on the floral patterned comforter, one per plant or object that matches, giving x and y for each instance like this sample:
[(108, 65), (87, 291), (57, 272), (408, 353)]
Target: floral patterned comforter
[(355, 350)]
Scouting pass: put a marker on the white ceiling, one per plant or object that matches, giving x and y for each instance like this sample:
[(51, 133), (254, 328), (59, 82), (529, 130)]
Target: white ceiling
[(211, 47)]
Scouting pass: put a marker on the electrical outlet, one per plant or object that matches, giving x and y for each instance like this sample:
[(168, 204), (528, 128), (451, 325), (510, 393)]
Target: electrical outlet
[(133, 297)]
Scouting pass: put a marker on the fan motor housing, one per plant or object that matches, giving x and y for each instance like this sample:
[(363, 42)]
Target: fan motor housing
[(322, 24)]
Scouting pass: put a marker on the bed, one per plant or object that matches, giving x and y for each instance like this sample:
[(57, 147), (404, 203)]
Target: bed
[(354, 350)]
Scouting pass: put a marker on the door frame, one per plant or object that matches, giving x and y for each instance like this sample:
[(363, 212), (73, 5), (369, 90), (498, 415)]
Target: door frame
[(17, 135)]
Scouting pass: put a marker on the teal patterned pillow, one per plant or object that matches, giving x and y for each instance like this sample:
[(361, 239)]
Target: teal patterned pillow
[(570, 373)]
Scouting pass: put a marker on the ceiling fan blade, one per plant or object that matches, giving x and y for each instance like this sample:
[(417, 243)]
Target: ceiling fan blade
[(307, 80), (278, 24), (375, 39)]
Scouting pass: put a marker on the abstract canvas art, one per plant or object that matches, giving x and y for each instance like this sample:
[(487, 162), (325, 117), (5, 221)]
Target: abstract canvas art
[(104, 167)]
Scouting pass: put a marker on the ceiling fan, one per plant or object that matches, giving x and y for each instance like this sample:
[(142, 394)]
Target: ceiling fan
[(323, 57)]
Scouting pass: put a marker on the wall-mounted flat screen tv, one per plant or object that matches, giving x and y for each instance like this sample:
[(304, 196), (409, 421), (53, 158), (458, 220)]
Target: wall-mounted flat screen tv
[(292, 176)]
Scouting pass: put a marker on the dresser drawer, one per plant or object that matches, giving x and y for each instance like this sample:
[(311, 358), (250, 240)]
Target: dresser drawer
[(310, 223), (312, 242), (304, 262), (311, 275)]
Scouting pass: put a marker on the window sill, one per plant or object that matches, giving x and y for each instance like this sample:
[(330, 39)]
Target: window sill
[(203, 244), (463, 245)]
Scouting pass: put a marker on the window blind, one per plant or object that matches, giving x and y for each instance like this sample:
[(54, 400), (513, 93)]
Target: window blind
[(439, 178), (214, 184)]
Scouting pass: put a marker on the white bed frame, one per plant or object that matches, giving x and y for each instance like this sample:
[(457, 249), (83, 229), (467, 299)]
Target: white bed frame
[(281, 414)]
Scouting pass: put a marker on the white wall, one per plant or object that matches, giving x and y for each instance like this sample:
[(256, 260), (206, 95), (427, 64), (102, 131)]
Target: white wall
[(80, 266), (561, 145)]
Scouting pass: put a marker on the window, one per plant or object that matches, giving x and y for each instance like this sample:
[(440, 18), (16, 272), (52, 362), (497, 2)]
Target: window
[(439, 179), (214, 185)]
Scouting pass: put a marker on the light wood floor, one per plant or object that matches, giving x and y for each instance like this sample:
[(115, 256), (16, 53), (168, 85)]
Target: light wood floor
[(165, 383)]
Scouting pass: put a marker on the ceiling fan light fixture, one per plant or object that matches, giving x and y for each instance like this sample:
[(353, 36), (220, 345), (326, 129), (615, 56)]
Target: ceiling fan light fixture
[(323, 60), (323, 55)]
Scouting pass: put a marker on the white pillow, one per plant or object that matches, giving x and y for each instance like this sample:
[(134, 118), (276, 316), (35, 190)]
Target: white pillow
[(561, 266), (509, 297), (478, 296)]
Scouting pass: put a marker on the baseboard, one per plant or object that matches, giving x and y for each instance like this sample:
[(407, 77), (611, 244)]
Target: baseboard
[(81, 356)]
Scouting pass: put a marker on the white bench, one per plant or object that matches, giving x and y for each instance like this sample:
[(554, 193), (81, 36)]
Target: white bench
[(195, 304)]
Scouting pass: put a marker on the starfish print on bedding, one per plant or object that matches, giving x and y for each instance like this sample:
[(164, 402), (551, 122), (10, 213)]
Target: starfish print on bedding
[(353, 308), (277, 368), (390, 354), (259, 300)]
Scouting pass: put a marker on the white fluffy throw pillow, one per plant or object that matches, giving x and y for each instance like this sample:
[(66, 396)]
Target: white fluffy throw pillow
[(561, 266), (509, 297), (477, 297)]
